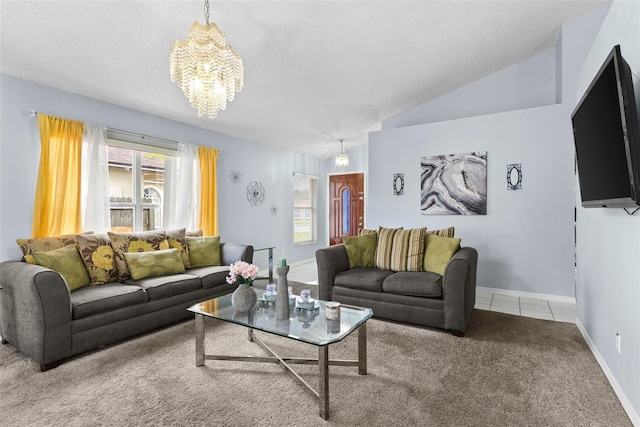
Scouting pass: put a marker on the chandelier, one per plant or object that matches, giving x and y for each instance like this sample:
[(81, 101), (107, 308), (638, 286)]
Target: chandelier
[(206, 68), (342, 160)]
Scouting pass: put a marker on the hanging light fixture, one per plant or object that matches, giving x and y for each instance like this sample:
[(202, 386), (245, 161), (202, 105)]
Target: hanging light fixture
[(206, 68), (342, 160)]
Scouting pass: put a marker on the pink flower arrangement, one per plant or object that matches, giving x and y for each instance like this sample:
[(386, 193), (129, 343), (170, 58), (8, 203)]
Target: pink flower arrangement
[(242, 272)]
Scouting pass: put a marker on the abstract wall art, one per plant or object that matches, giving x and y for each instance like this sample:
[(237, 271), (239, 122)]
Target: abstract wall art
[(454, 184)]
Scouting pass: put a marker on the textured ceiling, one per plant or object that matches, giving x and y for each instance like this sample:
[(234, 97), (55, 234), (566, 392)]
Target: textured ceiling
[(315, 71)]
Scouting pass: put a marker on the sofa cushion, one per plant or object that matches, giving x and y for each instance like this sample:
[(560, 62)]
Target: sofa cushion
[(143, 265), (438, 253), (177, 239), (143, 241), (384, 247), (419, 284), (98, 257), (66, 261), (367, 279), (211, 276), (108, 297), (166, 286), (361, 250), (204, 251), (407, 251)]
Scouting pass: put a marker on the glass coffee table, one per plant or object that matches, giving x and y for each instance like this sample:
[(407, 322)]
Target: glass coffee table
[(307, 326)]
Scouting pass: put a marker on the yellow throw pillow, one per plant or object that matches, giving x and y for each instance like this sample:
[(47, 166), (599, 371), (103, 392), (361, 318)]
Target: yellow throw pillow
[(204, 251), (143, 265), (439, 252), (384, 247), (98, 257), (44, 244), (361, 250), (143, 241), (66, 261), (177, 239), (407, 251)]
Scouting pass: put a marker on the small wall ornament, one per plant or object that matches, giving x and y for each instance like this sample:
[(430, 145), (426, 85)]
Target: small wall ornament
[(235, 176), (514, 176), (398, 184), (255, 193), (273, 210)]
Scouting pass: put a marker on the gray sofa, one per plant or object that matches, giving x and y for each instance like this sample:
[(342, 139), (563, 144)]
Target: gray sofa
[(421, 298), (46, 322)]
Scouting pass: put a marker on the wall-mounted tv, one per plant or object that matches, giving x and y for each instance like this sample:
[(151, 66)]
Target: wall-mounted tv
[(607, 139)]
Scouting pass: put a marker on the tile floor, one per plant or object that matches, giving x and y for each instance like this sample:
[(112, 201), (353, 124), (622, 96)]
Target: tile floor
[(306, 272)]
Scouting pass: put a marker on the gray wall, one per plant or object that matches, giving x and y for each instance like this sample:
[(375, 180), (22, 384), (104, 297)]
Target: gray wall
[(608, 240), (239, 222), (525, 242)]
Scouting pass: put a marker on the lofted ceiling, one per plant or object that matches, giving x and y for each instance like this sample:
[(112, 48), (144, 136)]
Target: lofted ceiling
[(315, 71)]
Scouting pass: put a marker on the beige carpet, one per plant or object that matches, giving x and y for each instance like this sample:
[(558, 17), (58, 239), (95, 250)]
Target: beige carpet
[(506, 371)]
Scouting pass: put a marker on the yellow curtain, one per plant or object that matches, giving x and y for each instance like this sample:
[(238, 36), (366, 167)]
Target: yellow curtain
[(57, 203), (208, 220)]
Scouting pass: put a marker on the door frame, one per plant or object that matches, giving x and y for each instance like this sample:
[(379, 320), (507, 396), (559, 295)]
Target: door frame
[(328, 200)]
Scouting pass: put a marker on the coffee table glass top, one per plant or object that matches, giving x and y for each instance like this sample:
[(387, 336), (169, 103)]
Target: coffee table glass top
[(310, 326)]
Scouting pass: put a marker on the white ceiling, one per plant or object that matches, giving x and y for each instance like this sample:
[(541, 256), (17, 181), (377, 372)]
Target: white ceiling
[(315, 71)]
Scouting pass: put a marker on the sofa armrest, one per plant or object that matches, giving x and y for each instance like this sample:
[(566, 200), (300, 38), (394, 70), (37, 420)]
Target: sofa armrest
[(35, 311), (459, 289), (330, 261), (232, 252)]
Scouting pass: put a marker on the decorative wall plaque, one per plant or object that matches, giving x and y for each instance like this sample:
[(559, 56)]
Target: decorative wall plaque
[(398, 184), (255, 193), (514, 176)]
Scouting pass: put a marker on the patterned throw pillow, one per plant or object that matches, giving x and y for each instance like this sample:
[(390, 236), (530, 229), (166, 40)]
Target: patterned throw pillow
[(444, 232), (407, 251), (367, 231), (385, 246), (204, 251), (439, 252), (66, 261), (144, 241), (194, 233), (153, 264), (98, 257), (177, 239), (361, 250), (44, 244)]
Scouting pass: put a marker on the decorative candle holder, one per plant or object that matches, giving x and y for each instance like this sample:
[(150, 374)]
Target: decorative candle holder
[(282, 297)]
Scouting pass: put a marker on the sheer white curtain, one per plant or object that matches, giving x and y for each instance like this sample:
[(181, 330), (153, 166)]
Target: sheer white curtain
[(95, 180), (185, 189)]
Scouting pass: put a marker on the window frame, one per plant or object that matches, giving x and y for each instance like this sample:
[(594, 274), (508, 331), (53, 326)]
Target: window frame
[(307, 212), (137, 204)]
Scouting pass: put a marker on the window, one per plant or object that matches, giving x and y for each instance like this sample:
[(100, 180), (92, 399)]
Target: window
[(305, 195), (137, 187)]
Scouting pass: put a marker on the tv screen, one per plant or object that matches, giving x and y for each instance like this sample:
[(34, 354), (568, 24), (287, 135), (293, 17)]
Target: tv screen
[(605, 130)]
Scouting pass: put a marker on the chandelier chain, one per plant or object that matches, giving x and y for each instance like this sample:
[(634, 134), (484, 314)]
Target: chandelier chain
[(206, 11)]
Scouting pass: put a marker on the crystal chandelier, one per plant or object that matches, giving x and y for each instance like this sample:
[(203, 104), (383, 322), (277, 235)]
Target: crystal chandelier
[(206, 68), (342, 160)]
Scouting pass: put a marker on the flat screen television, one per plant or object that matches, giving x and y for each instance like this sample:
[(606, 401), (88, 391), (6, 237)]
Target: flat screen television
[(607, 139)]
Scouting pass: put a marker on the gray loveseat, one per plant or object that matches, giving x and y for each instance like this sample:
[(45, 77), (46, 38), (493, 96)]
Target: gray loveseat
[(421, 298), (46, 322)]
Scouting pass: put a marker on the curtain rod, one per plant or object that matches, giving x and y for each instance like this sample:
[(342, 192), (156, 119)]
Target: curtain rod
[(34, 113)]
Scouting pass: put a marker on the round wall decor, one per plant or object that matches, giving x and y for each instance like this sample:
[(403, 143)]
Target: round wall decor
[(255, 193)]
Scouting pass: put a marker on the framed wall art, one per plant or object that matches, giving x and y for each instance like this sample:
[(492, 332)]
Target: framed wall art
[(454, 184)]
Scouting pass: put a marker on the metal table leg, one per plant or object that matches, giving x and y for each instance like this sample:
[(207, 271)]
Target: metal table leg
[(323, 389), (199, 340), (362, 349)]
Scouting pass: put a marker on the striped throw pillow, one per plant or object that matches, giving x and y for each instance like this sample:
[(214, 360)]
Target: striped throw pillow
[(407, 251), (384, 247), (444, 232)]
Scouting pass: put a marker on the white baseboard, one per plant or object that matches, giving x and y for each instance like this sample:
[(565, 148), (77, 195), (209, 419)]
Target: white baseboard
[(520, 294), (626, 404)]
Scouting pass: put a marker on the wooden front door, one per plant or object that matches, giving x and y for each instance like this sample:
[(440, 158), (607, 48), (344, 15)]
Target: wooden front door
[(346, 206)]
